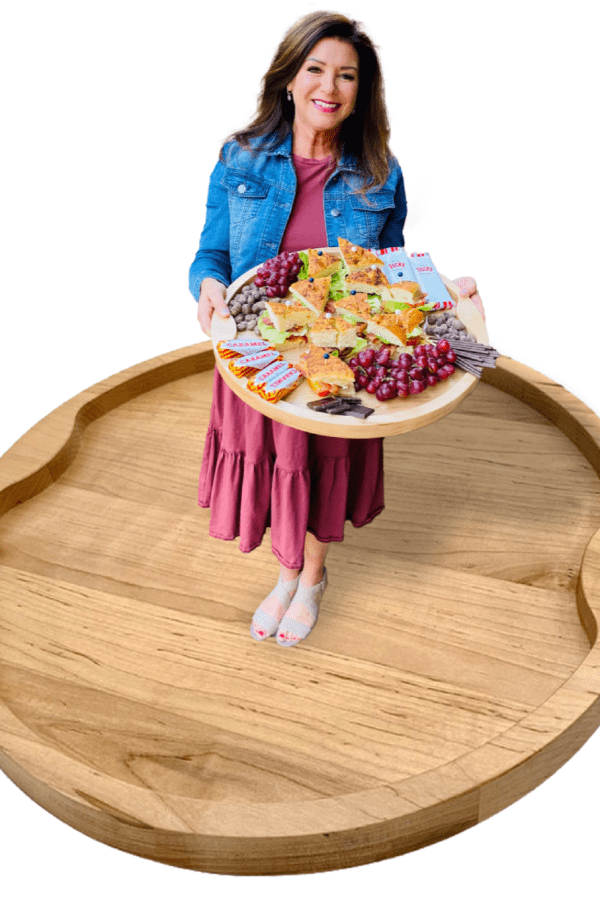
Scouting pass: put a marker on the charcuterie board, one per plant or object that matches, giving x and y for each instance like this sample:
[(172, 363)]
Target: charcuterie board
[(454, 666), (389, 417)]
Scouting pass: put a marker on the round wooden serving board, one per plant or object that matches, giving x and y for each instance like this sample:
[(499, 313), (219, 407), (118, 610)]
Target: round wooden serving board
[(454, 667), (392, 417)]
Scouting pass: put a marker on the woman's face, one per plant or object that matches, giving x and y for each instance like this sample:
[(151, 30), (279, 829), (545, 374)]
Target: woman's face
[(325, 88)]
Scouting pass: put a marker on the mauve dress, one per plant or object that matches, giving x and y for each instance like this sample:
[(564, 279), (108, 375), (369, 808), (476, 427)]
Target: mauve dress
[(257, 473)]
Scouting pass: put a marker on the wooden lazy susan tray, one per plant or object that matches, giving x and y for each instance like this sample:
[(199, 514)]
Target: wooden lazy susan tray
[(454, 666), (390, 417)]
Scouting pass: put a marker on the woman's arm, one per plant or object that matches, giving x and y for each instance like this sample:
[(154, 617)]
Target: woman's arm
[(212, 260), (212, 298)]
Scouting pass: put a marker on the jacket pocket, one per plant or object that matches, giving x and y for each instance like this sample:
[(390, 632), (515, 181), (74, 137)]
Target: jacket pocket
[(244, 186), (246, 198)]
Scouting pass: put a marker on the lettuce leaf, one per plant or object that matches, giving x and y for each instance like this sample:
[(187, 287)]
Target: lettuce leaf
[(303, 273), (270, 333)]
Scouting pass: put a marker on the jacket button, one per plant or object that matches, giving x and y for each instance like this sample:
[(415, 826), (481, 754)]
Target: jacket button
[(242, 188), (335, 213)]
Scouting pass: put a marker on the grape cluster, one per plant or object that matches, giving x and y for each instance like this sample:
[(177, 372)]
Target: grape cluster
[(379, 374), (278, 273)]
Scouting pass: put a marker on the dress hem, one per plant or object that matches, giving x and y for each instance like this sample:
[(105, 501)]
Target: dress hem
[(286, 563)]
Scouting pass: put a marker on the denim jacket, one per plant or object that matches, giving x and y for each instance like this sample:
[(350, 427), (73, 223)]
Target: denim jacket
[(250, 200)]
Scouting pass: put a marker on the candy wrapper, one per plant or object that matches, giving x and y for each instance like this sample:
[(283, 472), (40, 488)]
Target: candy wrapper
[(240, 347), (247, 365), (431, 284), (279, 387), (259, 379), (420, 269)]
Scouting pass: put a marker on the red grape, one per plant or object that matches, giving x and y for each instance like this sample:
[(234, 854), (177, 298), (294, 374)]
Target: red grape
[(443, 345), (432, 366), (402, 377), (405, 360), (417, 373), (366, 357), (450, 356), (417, 387), (383, 356), (363, 379), (372, 387), (431, 380), (403, 391)]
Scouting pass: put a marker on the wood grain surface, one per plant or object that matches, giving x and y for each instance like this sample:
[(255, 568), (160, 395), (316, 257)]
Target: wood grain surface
[(454, 667), (390, 417)]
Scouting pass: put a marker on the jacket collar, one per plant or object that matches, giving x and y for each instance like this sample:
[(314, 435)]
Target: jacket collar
[(348, 162)]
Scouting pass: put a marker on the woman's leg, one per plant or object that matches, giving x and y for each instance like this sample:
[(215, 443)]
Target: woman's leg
[(274, 607), (302, 614)]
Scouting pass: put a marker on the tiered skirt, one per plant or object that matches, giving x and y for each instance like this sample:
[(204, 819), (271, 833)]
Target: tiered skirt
[(257, 474)]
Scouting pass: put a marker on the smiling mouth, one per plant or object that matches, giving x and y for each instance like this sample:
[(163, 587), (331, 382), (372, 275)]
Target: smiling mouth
[(327, 107)]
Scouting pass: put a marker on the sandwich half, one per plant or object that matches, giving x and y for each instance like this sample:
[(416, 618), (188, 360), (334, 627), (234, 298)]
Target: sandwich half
[(285, 325), (323, 262), (312, 292), (356, 257), (407, 292), (388, 328), (369, 280), (325, 373)]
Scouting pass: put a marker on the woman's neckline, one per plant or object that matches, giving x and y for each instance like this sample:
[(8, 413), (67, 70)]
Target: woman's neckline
[(312, 159)]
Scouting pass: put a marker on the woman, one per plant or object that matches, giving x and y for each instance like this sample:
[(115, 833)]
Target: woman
[(313, 165)]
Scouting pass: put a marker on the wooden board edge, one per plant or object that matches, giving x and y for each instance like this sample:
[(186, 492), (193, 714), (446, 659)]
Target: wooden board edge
[(45, 451)]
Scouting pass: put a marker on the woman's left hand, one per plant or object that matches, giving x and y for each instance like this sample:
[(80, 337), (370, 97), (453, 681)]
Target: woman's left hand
[(468, 288)]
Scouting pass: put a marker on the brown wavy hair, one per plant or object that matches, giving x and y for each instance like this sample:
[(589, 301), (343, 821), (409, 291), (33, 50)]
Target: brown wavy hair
[(365, 134)]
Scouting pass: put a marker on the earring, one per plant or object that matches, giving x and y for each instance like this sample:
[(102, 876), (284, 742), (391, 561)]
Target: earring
[(289, 96)]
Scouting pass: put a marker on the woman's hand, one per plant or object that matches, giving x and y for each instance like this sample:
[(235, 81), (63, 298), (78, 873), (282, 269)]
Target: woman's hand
[(212, 297), (468, 288)]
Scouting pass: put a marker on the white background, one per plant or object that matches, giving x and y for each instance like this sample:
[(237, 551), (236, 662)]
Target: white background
[(115, 112)]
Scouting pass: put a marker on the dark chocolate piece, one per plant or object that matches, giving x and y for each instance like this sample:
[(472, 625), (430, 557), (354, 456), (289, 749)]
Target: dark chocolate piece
[(359, 412), (322, 404)]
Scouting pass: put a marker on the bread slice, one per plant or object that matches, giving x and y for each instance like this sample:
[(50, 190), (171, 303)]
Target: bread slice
[(312, 292), (323, 331), (323, 262), (410, 318), (388, 327), (354, 305), (407, 292), (370, 280), (357, 257), (286, 316), (347, 332), (325, 373)]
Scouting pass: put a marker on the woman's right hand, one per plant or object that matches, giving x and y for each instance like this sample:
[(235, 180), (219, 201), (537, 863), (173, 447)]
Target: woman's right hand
[(212, 298)]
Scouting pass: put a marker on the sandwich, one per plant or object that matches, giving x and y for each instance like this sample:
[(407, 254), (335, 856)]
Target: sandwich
[(354, 308), (312, 292), (407, 292), (324, 372), (323, 331), (369, 280), (285, 325), (410, 318), (335, 332), (357, 257), (388, 328), (322, 262)]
